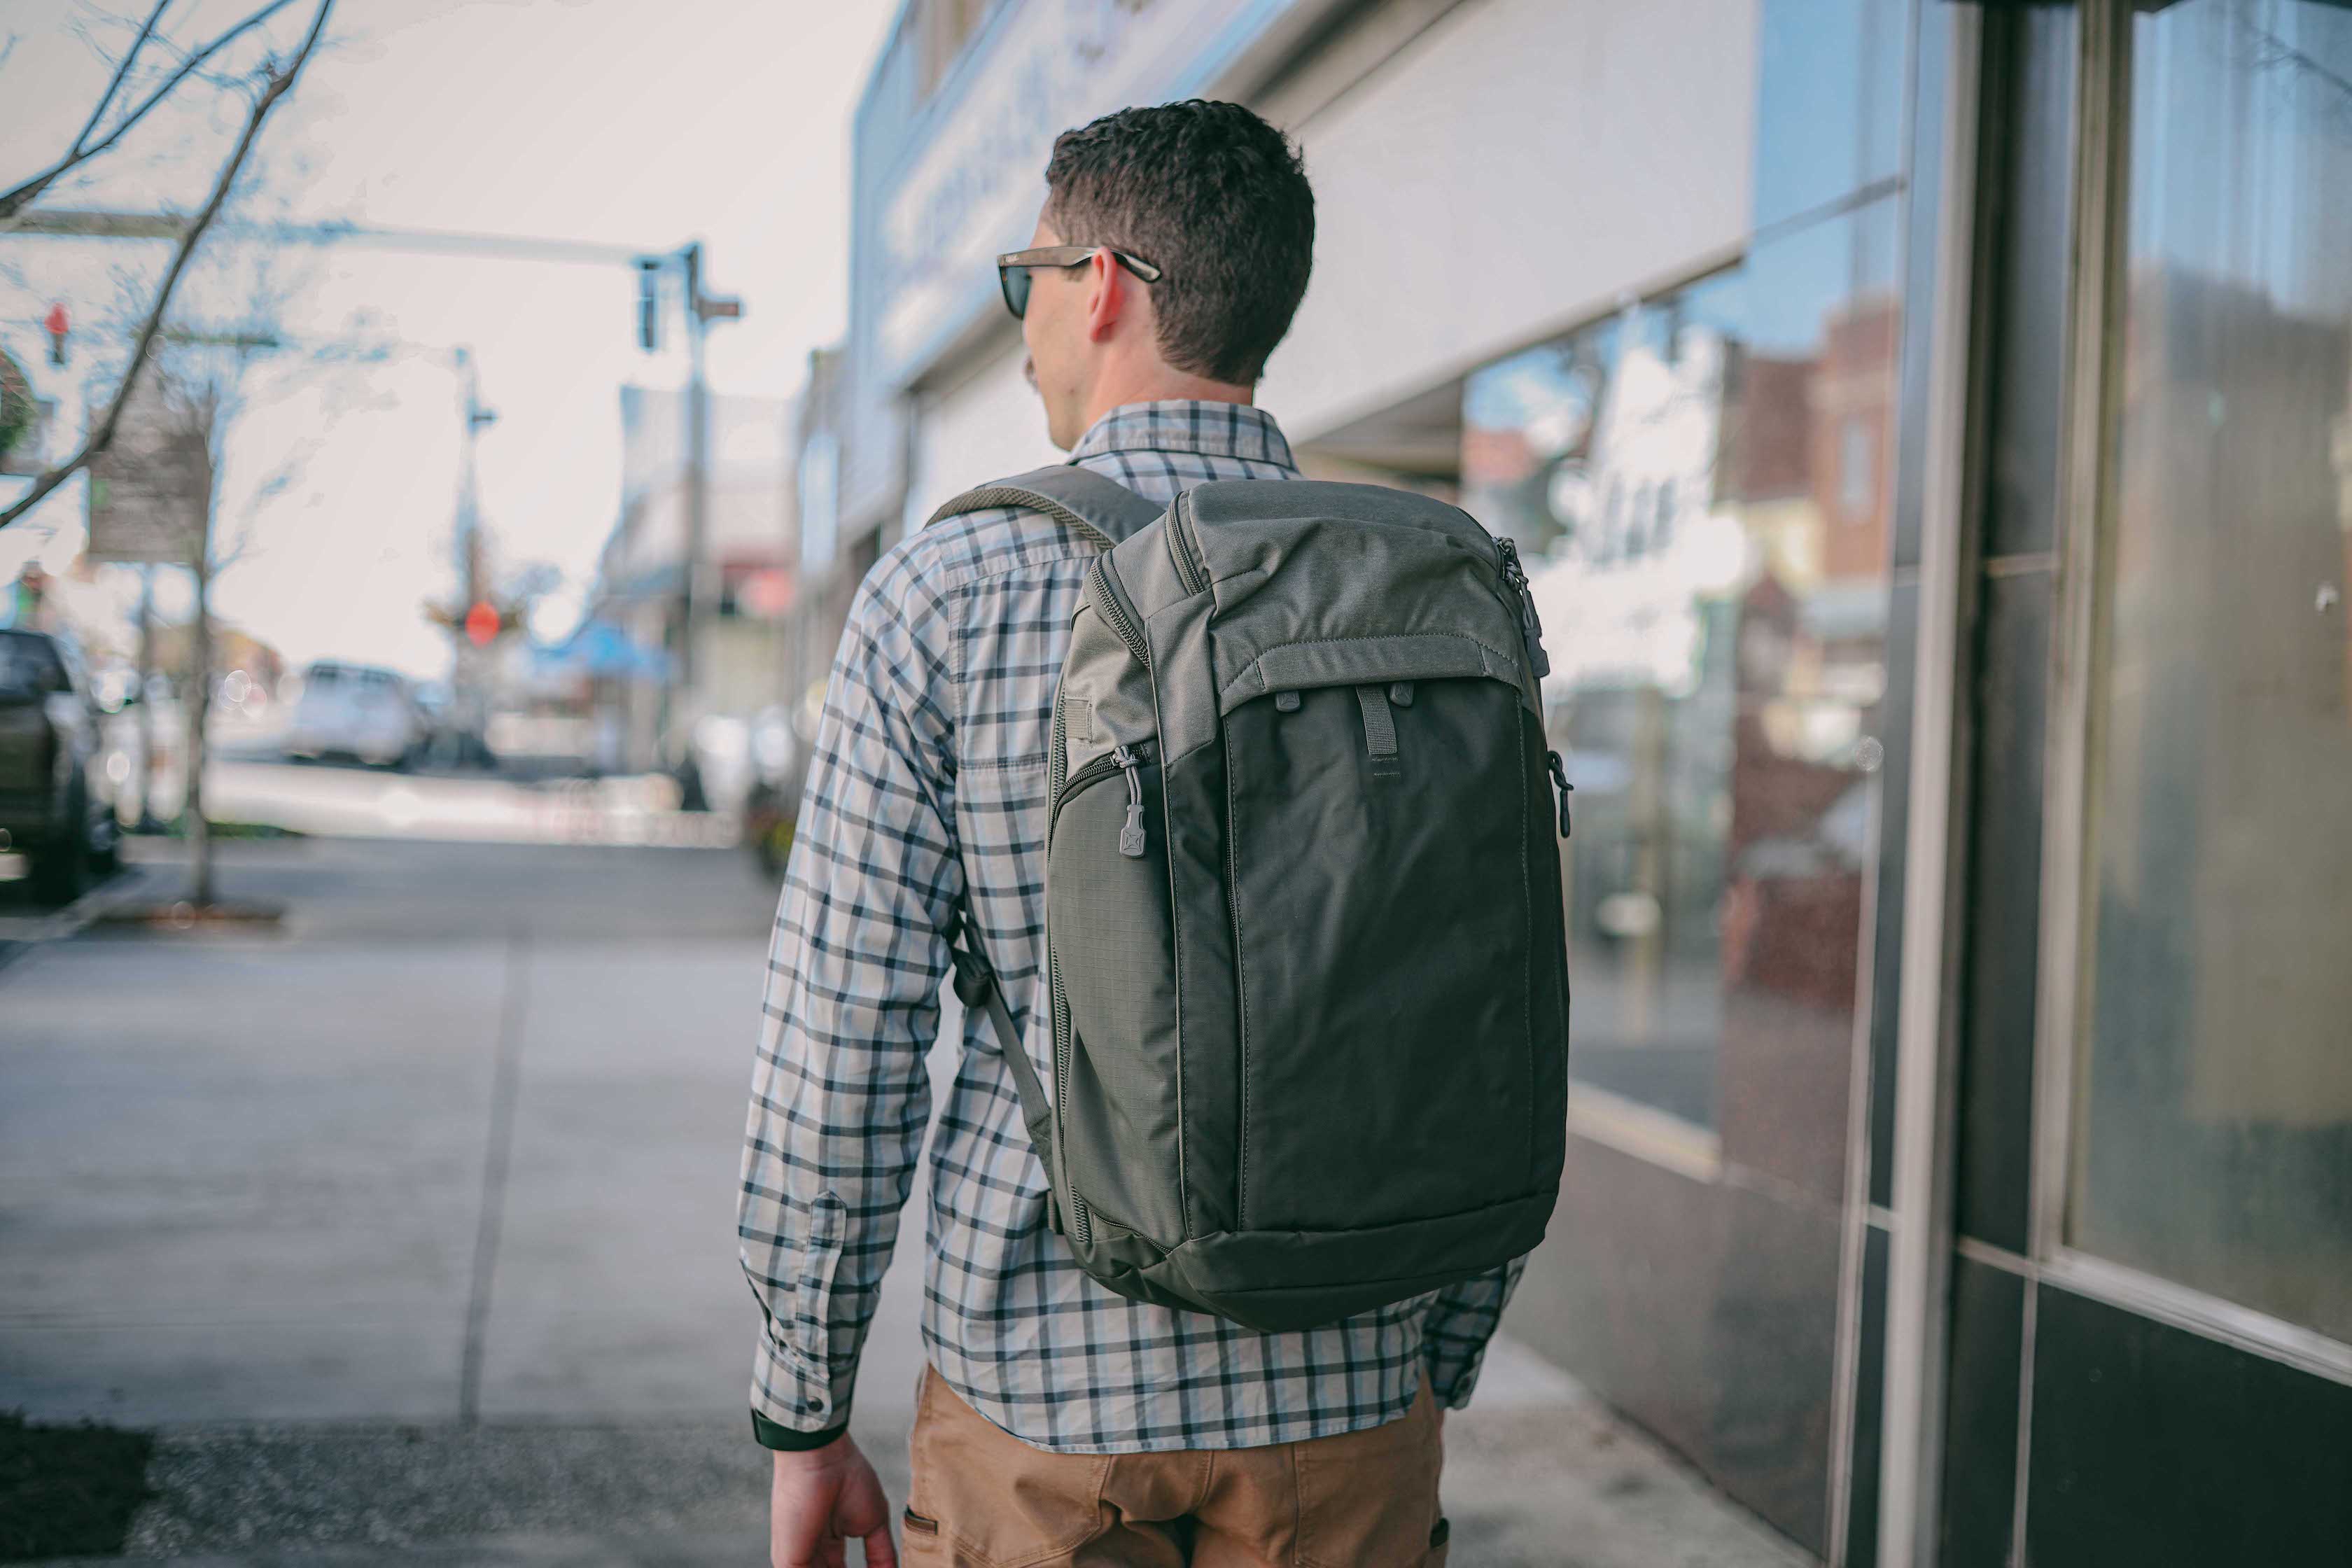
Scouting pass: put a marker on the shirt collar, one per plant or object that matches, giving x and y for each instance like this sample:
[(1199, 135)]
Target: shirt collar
[(1188, 425)]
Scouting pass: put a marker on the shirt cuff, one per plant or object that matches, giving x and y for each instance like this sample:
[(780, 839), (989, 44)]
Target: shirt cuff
[(1453, 1377), (791, 1440)]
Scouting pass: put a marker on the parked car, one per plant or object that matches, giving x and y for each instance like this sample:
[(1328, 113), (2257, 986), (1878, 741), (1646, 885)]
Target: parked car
[(357, 711), (56, 802)]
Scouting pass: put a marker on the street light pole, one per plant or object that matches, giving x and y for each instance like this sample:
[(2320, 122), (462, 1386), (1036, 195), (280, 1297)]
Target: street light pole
[(696, 579), (694, 588)]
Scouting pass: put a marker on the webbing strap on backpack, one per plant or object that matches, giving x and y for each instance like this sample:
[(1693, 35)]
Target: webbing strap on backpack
[(976, 987), (1079, 497)]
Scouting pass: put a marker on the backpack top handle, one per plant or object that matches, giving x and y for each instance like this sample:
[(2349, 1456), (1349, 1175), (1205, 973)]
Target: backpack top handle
[(1077, 497)]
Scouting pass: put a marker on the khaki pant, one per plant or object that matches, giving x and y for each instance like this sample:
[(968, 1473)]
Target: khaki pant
[(984, 1498)]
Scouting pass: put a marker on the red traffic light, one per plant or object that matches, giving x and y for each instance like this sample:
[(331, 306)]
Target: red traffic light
[(57, 324), (482, 623)]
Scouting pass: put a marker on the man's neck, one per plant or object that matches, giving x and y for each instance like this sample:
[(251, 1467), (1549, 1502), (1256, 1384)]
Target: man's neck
[(1163, 385)]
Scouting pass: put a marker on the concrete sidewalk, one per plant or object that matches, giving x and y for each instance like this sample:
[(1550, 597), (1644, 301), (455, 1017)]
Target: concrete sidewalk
[(410, 1229)]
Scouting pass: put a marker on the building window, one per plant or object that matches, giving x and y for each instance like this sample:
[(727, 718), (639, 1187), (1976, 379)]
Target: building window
[(2213, 1111), (1712, 682)]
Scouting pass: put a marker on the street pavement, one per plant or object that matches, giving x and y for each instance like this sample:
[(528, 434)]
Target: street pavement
[(407, 1224)]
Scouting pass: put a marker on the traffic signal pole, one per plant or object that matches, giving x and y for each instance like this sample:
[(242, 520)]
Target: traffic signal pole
[(695, 586), (698, 577), (470, 666)]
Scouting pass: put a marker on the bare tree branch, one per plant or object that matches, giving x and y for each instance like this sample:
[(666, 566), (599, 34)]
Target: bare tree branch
[(122, 73), (12, 201), (279, 82)]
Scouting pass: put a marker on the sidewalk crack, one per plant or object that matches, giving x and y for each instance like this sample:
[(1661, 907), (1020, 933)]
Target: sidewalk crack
[(505, 1083)]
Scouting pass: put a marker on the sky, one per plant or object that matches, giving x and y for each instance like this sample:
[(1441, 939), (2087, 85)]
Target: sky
[(641, 123)]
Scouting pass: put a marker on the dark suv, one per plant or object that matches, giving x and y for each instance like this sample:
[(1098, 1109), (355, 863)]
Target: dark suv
[(55, 805)]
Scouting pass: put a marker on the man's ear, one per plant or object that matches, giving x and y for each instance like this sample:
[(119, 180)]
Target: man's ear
[(1106, 294)]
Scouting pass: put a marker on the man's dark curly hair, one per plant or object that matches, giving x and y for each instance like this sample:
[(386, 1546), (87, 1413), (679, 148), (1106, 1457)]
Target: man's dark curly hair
[(1216, 199)]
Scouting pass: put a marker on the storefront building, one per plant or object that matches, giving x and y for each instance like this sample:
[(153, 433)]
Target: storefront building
[(1932, 425), (741, 638)]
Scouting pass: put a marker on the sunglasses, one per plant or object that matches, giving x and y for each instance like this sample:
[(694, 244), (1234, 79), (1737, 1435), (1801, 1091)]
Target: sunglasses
[(1012, 269)]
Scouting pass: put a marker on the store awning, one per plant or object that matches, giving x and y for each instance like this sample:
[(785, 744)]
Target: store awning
[(603, 650)]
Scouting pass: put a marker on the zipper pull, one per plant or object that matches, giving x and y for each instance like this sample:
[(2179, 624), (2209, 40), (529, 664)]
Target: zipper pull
[(1130, 836), (1515, 576), (1560, 777)]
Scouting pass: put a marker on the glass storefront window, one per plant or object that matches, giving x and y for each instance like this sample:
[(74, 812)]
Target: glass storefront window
[(1700, 488), (2214, 1134), (1828, 102)]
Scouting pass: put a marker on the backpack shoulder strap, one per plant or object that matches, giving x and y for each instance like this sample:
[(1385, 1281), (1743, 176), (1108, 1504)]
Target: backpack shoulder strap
[(976, 988), (1077, 495)]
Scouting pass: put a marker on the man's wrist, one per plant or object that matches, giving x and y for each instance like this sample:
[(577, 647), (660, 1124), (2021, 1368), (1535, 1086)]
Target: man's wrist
[(789, 1439)]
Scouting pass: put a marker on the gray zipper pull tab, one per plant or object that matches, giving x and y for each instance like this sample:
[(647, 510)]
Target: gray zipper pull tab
[(1560, 777), (1130, 835)]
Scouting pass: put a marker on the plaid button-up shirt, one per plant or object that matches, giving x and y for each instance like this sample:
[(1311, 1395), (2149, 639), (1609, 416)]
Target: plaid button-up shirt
[(927, 796)]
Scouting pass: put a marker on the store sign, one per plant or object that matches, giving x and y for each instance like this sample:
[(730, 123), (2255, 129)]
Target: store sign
[(150, 488), (973, 192)]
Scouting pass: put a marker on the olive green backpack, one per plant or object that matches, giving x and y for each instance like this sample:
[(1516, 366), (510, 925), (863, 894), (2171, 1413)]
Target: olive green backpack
[(1306, 976)]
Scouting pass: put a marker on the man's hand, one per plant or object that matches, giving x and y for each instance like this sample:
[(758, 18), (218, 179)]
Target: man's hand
[(821, 1499)]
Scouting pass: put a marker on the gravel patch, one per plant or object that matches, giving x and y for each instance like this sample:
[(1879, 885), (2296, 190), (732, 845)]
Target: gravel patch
[(232, 1490)]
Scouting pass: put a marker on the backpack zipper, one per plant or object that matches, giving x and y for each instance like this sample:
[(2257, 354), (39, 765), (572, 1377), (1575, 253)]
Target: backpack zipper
[(1128, 760), (1058, 1002), (1109, 599), (1515, 579), (1130, 833), (1110, 602), (1560, 777), (1080, 1229), (1183, 548)]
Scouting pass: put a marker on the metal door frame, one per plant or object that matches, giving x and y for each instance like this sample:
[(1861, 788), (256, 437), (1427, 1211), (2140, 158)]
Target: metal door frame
[(1919, 1217)]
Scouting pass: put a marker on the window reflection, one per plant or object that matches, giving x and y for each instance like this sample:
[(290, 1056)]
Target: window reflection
[(2215, 1139), (1699, 487), (1829, 106)]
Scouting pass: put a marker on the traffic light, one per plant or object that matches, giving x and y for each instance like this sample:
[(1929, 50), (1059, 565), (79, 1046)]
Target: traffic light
[(56, 324), (649, 270), (482, 623)]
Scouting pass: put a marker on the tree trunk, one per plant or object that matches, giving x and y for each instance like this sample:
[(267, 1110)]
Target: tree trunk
[(200, 830), (145, 821)]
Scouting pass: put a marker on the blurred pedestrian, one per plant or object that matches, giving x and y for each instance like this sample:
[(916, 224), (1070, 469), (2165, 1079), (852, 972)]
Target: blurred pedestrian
[(1057, 1422)]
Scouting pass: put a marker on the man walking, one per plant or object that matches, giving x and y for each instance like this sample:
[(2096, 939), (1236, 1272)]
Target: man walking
[(1057, 1422)]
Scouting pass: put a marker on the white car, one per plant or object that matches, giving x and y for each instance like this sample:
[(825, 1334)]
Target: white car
[(357, 711)]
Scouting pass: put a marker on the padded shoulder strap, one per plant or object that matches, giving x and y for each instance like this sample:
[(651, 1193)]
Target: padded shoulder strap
[(1079, 497)]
